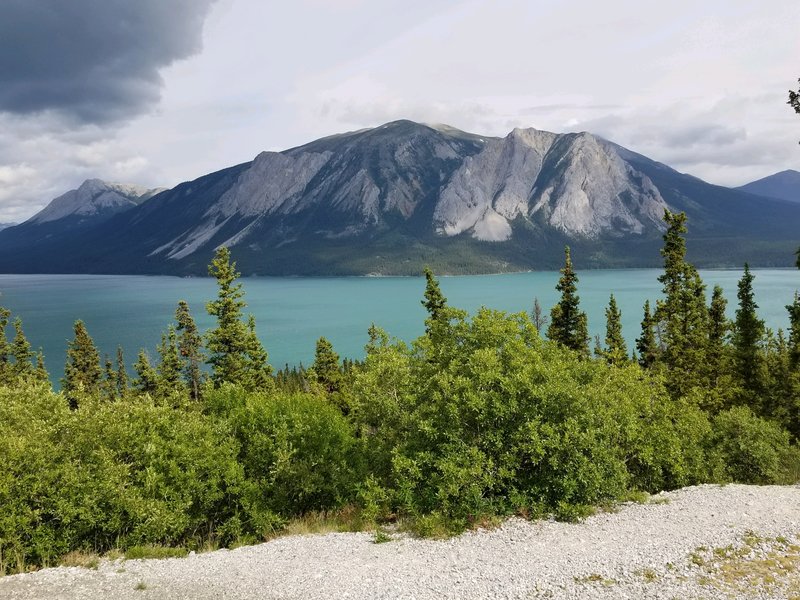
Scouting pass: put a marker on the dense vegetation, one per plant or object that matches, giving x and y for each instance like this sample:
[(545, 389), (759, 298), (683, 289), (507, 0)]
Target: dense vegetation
[(480, 417)]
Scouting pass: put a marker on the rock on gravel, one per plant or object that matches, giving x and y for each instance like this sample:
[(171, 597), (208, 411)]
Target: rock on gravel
[(684, 544)]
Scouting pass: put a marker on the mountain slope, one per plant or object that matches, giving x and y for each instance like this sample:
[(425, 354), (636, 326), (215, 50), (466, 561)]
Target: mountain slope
[(394, 198), (784, 185)]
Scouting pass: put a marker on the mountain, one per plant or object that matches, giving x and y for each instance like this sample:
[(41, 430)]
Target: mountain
[(393, 198), (75, 212), (6, 225), (784, 185)]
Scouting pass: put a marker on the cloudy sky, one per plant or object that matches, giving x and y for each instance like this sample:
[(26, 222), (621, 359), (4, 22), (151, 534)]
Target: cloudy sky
[(156, 92)]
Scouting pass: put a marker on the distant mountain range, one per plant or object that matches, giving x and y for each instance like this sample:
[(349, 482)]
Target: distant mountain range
[(6, 225), (784, 185), (391, 199)]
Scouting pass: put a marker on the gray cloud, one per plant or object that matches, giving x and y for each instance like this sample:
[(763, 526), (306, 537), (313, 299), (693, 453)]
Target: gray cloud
[(94, 61)]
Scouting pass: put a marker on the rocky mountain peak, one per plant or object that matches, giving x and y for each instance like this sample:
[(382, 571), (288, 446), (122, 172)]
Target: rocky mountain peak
[(92, 198)]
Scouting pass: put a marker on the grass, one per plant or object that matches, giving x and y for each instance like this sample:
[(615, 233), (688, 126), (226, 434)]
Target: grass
[(78, 558), (158, 552), (346, 519), (595, 578), (140, 586), (756, 567)]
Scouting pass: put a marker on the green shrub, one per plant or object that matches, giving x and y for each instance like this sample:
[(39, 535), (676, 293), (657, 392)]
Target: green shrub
[(753, 449), (298, 453)]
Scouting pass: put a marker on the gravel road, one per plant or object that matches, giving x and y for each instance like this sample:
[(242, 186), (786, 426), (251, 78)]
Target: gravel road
[(702, 542)]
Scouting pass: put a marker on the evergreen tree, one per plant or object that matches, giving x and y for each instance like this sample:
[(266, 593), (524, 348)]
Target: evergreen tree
[(794, 332), (5, 347), (21, 352), (235, 353), (146, 376), (190, 345), (169, 364), (747, 338), (434, 302), (616, 350), (568, 324), (326, 366), (109, 383), (718, 328), (259, 371), (682, 316), (40, 373), (82, 373), (646, 344), (122, 374)]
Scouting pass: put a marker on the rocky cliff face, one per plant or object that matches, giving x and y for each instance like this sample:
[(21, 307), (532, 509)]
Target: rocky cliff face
[(577, 184)]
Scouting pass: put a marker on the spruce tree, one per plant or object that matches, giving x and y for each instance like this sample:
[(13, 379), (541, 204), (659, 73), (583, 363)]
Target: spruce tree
[(169, 364), (682, 316), (259, 371), (718, 327), (748, 337), (190, 345), (5, 347), (146, 376), (326, 366), (568, 324), (235, 353), (82, 373), (21, 352), (109, 383), (616, 350), (122, 374), (40, 373), (434, 301), (646, 344), (794, 332)]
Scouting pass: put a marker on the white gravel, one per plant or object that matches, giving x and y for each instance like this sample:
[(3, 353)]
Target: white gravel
[(641, 551)]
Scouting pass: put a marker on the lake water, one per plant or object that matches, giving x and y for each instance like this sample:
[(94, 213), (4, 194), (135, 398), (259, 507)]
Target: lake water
[(292, 313)]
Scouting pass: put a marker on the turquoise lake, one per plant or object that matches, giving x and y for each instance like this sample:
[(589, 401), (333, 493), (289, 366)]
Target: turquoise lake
[(291, 313)]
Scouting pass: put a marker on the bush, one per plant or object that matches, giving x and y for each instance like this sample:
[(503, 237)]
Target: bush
[(753, 449), (298, 453), (493, 420)]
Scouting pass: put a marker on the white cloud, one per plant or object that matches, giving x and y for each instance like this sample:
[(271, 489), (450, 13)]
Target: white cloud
[(701, 87)]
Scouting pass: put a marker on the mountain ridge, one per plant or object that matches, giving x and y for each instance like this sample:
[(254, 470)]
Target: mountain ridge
[(392, 198)]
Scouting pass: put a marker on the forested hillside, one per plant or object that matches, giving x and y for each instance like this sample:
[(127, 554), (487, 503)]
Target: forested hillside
[(483, 416)]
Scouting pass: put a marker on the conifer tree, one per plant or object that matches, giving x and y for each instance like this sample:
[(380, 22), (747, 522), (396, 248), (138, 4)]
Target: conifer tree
[(5, 347), (718, 328), (682, 316), (257, 360), (616, 350), (568, 324), (646, 344), (21, 352), (109, 383), (190, 345), (82, 371), (146, 376), (169, 364), (326, 366), (235, 353), (794, 332), (40, 373), (748, 337), (434, 301), (122, 374)]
